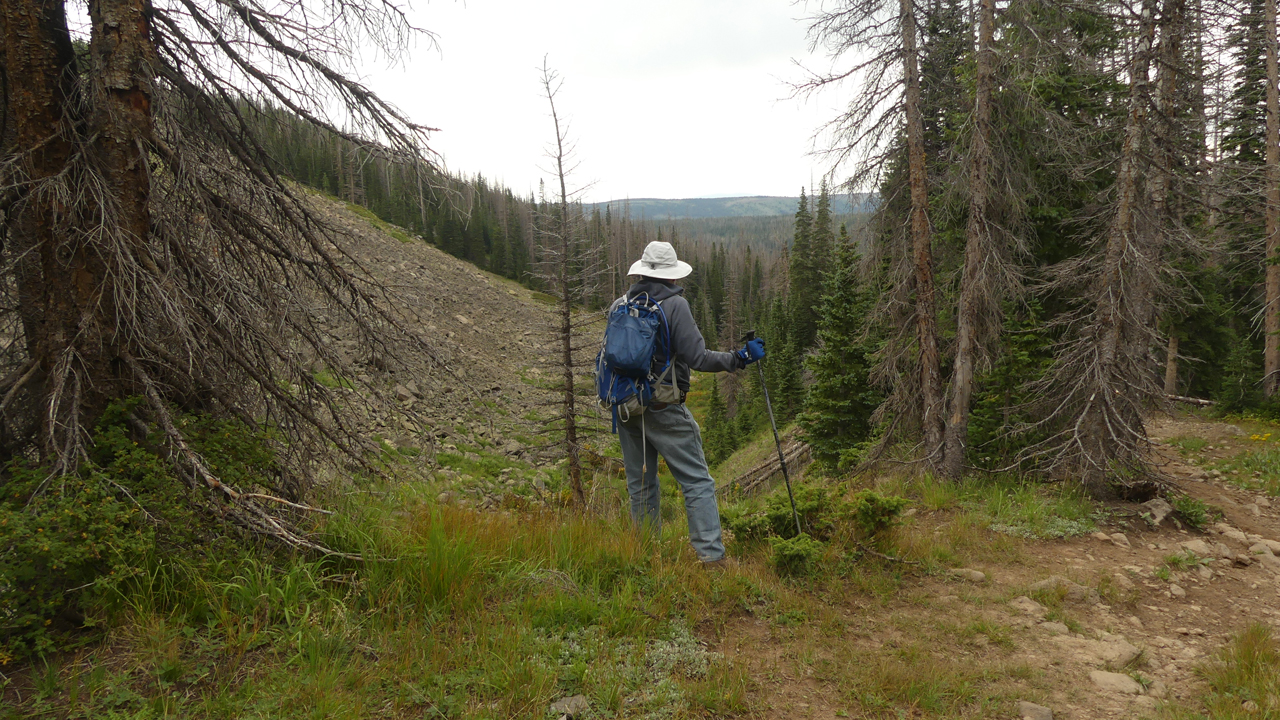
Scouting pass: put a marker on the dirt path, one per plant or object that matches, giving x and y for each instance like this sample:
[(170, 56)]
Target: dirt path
[(1120, 608)]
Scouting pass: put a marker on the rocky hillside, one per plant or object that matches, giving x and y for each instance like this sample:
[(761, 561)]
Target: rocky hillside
[(490, 333)]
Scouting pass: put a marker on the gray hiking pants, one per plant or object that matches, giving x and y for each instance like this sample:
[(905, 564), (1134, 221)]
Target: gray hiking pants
[(672, 433)]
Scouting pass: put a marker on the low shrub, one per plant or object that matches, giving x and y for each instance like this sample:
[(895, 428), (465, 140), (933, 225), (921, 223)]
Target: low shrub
[(71, 541), (1192, 511), (874, 513), (795, 556)]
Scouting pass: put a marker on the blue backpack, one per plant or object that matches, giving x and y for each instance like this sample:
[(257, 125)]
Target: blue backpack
[(637, 331)]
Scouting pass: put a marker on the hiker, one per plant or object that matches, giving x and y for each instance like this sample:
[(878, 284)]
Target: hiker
[(667, 428)]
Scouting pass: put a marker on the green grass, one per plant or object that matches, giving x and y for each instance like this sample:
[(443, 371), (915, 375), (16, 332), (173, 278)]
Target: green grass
[(1241, 682), (330, 380), (472, 616), (485, 615), (1188, 444), (1257, 470), (1006, 504), (379, 223)]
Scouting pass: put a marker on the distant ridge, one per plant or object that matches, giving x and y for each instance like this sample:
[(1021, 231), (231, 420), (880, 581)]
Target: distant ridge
[(752, 206)]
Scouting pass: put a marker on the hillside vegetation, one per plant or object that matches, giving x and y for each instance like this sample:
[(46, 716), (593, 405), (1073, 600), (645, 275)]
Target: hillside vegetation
[(483, 596)]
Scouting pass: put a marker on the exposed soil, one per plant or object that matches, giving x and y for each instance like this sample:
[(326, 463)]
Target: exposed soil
[(1170, 625)]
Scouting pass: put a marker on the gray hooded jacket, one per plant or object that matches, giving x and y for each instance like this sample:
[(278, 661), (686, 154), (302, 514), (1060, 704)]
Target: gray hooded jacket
[(690, 348)]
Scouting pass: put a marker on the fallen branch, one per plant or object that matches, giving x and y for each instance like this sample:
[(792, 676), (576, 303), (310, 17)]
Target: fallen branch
[(243, 509), (1191, 400), (882, 556)]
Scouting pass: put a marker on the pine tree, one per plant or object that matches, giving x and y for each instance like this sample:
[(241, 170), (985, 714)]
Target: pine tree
[(841, 400), (805, 285), (719, 438)]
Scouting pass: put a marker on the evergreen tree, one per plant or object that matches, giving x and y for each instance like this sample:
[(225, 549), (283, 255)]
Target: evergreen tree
[(719, 441), (841, 400), (804, 280)]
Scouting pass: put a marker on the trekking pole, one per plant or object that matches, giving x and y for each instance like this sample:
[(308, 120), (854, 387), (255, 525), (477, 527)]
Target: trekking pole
[(751, 335)]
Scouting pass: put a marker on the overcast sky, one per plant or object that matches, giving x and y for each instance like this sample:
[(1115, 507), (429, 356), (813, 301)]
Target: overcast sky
[(665, 98)]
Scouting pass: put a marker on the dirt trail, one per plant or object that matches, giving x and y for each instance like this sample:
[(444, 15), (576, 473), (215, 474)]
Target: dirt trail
[(1057, 655)]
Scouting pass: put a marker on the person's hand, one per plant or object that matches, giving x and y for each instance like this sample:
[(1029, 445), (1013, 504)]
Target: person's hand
[(751, 352)]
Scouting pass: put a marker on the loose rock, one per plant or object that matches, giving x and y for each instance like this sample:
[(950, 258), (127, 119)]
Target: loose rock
[(1120, 540), (1056, 628), (1157, 510), (1071, 591), (1028, 606), (1177, 591), (1115, 682), (571, 706), (967, 574), (1199, 547), (1032, 711)]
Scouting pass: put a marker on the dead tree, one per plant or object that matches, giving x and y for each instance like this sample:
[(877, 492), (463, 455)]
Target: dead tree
[(569, 266), (150, 246), (977, 250), (1271, 324), (1103, 382), (882, 36)]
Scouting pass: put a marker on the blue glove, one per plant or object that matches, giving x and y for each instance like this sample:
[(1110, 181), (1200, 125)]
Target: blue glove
[(751, 352)]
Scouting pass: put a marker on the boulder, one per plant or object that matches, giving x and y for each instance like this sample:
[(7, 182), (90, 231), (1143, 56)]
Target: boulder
[(1115, 682), (1157, 510), (1117, 652), (1231, 532), (1199, 547)]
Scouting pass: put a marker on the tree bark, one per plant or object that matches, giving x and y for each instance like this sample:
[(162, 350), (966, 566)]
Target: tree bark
[(977, 244), (1271, 356), (37, 49), (921, 240), (1171, 366)]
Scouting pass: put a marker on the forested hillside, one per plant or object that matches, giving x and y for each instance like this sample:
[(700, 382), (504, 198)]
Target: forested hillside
[(730, 207)]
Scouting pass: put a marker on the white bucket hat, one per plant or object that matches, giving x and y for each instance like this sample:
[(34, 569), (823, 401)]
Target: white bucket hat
[(659, 261)]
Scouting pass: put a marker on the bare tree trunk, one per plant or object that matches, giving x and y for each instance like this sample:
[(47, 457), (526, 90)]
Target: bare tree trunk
[(1271, 357), (563, 274), (1171, 366), (37, 48), (977, 241), (926, 310), (1172, 27)]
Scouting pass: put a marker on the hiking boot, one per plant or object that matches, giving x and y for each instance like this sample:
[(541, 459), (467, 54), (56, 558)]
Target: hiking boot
[(723, 563)]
